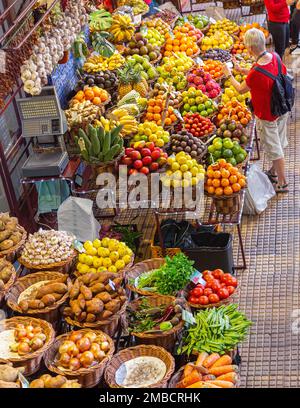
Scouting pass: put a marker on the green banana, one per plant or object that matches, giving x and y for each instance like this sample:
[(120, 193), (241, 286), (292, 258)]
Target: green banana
[(94, 140), (101, 136), (107, 143), (83, 135), (85, 155), (114, 151), (115, 133)]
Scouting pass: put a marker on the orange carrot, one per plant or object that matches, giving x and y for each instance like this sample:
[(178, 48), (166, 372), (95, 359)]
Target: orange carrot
[(222, 384), (232, 377), (223, 370), (224, 360), (187, 370), (190, 379), (210, 360), (209, 377), (202, 384), (201, 357)]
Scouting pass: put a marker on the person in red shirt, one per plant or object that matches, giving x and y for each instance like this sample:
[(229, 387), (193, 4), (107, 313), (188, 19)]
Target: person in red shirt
[(278, 23), (272, 130)]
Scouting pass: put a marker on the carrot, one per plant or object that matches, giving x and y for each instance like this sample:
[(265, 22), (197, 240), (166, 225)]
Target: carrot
[(224, 360), (217, 371), (210, 360), (190, 379), (187, 370), (222, 384), (209, 377), (202, 384), (232, 377), (201, 357)]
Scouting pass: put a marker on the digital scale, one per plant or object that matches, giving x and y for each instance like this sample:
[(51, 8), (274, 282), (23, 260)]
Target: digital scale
[(44, 121)]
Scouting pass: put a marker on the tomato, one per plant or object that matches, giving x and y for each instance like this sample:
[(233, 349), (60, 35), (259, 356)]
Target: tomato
[(232, 281), (214, 298), (216, 286), (208, 278), (225, 277), (203, 300), (218, 273), (199, 285), (223, 285), (193, 299), (197, 292), (206, 272), (230, 290), (208, 291), (223, 293)]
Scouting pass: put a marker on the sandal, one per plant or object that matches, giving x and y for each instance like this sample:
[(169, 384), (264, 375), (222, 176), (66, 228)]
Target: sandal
[(282, 189), (272, 177)]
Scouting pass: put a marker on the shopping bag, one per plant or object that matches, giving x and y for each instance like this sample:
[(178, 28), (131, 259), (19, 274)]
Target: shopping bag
[(75, 215), (260, 190)]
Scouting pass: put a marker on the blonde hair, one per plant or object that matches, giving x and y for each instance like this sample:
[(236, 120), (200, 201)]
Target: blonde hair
[(255, 40)]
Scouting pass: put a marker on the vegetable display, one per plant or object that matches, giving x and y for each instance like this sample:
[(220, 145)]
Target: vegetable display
[(59, 381), (10, 234), (27, 339)]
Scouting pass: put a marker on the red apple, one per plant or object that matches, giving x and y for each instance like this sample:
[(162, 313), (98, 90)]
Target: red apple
[(132, 172), (138, 164), (127, 160), (154, 166), (145, 170), (128, 150), (155, 155), (135, 155), (147, 160), (150, 145), (145, 152)]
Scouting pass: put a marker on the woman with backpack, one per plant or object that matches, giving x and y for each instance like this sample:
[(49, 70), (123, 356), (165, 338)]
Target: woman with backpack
[(295, 29), (272, 129)]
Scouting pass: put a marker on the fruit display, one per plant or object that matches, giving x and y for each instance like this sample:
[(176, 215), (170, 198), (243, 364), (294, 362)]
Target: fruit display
[(214, 68), (155, 111), (59, 381), (230, 328), (100, 20), (99, 146), (10, 233), (140, 45), (138, 6), (227, 149), (194, 101), (133, 98), (144, 158), (203, 81), (95, 297), (197, 125), (209, 371), (235, 131), (183, 171), (223, 25), (130, 79), (151, 132), (126, 120), (219, 287), (217, 54), (6, 272), (28, 339), (180, 42), (122, 28), (184, 141), (224, 179), (190, 30), (197, 20), (125, 233), (103, 79), (106, 124), (144, 318), (82, 113), (167, 16), (162, 89), (97, 63), (105, 255), (153, 36), (82, 349), (41, 295), (239, 47), (142, 64), (9, 376), (231, 94), (47, 247), (173, 70), (235, 111), (94, 94), (161, 26), (220, 39), (245, 27)]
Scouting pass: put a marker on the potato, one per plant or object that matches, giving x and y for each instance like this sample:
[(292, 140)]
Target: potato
[(48, 300), (50, 288), (104, 296), (81, 301), (68, 312), (117, 281), (91, 318), (87, 293), (16, 237), (7, 244), (35, 304), (45, 377), (57, 296), (106, 314), (1, 284), (85, 279), (113, 306), (109, 289), (55, 382), (81, 317), (75, 290), (94, 306), (97, 288), (4, 235), (37, 384), (6, 273), (105, 276), (75, 306)]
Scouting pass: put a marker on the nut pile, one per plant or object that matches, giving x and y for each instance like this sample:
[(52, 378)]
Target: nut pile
[(47, 247)]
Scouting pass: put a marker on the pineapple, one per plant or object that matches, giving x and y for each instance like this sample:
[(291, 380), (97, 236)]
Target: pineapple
[(125, 81), (140, 84)]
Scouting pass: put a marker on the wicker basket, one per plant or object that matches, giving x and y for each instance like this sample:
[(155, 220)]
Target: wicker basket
[(139, 351), (157, 251), (50, 313), (63, 267), (140, 268), (8, 284), (226, 205), (87, 377), (13, 253), (165, 339), (31, 362), (109, 326)]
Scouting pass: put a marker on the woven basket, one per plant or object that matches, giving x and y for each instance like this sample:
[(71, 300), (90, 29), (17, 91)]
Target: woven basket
[(50, 313), (13, 253), (109, 326), (87, 377), (139, 351), (8, 284), (63, 267), (31, 362), (157, 251), (226, 205), (165, 339), (140, 268)]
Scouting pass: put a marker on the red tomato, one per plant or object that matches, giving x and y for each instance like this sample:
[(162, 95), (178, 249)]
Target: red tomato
[(230, 290), (208, 278), (225, 277), (199, 285), (197, 292), (208, 291), (232, 281), (223, 285), (214, 298), (218, 273), (203, 300), (193, 299), (216, 286), (223, 293)]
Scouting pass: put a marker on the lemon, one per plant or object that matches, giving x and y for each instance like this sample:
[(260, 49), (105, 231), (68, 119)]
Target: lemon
[(91, 251), (81, 258), (105, 242), (97, 262), (101, 269), (189, 163), (184, 168), (126, 259), (92, 270), (153, 138), (112, 269), (160, 143), (120, 264), (194, 171), (114, 256), (175, 166), (84, 269), (182, 160), (89, 260), (97, 243), (107, 262), (79, 266), (121, 251), (103, 252), (87, 245), (113, 245)]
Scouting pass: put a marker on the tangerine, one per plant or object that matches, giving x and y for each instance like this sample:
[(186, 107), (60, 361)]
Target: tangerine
[(217, 174), (219, 191), (236, 187), (225, 182), (228, 191), (89, 94), (216, 183)]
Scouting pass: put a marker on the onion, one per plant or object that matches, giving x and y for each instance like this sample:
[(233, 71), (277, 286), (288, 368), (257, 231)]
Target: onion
[(105, 346), (74, 364), (87, 359), (73, 350), (23, 348), (83, 344), (75, 336), (65, 359), (36, 343), (91, 336), (64, 347)]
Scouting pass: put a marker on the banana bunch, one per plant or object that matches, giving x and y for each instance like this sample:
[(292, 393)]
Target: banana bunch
[(100, 20), (122, 28), (81, 113), (98, 63), (106, 124), (138, 6), (129, 123)]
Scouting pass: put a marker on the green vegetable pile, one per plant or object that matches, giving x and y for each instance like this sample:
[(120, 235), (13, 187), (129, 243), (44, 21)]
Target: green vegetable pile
[(217, 330), (173, 276)]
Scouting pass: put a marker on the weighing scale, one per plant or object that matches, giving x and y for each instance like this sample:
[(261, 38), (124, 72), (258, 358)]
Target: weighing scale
[(44, 121)]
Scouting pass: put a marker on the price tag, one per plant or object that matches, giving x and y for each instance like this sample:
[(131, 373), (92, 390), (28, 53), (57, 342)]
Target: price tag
[(23, 381), (197, 278), (111, 284), (178, 114), (78, 246), (188, 317), (212, 20), (199, 61)]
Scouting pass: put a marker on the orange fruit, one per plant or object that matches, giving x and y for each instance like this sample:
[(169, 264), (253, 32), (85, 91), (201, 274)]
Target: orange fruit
[(173, 118), (225, 182), (89, 94), (219, 191), (167, 54), (234, 171), (228, 190), (157, 109), (168, 122), (210, 173), (183, 47), (222, 162), (169, 47), (236, 187), (150, 109), (103, 96), (233, 179), (97, 100), (210, 190), (242, 182), (97, 91), (225, 173), (156, 117), (189, 52), (79, 96), (176, 42), (176, 48), (151, 102), (217, 174), (216, 183), (209, 182), (244, 121)]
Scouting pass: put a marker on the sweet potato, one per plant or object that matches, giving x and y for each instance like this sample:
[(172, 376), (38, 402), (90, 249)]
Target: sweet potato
[(224, 360), (91, 318), (75, 290), (35, 304), (37, 384), (55, 382), (48, 300), (97, 288), (94, 306), (113, 306), (122, 299), (217, 371), (87, 293), (105, 276), (1, 284), (75, 306), (104, 296), (7, 244), (68, 312), (117, 281), (57, 296), (210, 360), (51, 288), (85, 279), (24, 305), (81, 317), (5, 274), (106, 314), (81, 301)]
